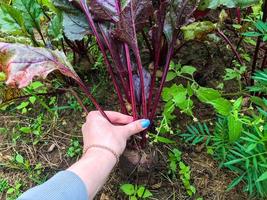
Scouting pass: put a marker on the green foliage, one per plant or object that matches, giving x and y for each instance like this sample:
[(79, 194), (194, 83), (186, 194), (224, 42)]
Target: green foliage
[(238, 142), (175, 161), (12, 192), (22, 18), (261, 82), (185, 174), (11, 20), (135, 192), (261, 30), (235, 73), (238, 145), (55, 28), (213, 4), (75, 149), (31, 13), (3, 185), (197, 134), (179, 96), (197, 30), (26, 17)]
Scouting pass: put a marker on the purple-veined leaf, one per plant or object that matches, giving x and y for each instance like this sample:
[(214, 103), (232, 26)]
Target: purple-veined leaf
[(133, 18), (106, 10), (22, 63)]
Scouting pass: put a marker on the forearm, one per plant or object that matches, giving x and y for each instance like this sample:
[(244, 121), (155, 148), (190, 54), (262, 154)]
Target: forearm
[(94, 168), (64, 185)]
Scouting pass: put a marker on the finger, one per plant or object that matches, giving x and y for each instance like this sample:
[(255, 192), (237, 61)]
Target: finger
[(135, 127), (116, 117)]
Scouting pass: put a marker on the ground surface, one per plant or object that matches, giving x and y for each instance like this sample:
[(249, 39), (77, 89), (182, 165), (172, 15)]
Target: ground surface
[(209, 180)]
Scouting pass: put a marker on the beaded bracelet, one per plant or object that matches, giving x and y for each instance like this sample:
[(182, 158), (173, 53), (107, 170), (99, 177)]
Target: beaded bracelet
[(105, 148)]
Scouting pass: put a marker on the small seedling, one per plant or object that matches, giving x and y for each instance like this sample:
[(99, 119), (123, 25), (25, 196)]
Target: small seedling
[(174, 158), (14, 191), (3, 185), (75, 149), (135, 192), (184, 171)]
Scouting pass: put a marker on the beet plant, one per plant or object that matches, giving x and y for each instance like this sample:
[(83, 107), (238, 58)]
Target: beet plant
[(120, 28), (117, 26)]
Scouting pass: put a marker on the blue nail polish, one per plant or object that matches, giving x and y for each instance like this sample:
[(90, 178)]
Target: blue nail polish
[(145, 123)]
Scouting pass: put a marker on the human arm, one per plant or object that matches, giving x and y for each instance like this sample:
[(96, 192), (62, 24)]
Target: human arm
[(98, 131), (87, 176)]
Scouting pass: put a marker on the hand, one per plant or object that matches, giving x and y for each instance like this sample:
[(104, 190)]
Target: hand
[(99, 131)]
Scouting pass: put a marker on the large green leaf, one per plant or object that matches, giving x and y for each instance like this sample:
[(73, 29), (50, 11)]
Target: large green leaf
[(222, 106), (235, 128), (214, 98), (31, 12), (207, 94), (55, 28), (11, 20)]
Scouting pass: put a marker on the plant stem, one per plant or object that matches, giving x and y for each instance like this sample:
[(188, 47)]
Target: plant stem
[(263, 64), (255, 58), (93, 27), (147, 42), (226, 39), (124, 85), (257, 49), (89, 95), (157, 48), (130, 73), (238, 14), (141, 75), (79, 100), (164, 76), (133, 102), (140, 67)]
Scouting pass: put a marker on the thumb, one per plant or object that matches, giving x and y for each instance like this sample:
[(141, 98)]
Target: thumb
[(135, 127)]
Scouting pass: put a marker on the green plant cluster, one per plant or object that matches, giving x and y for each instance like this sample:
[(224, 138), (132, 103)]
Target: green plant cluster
[(135, 192), (175, 161), (244, 153)]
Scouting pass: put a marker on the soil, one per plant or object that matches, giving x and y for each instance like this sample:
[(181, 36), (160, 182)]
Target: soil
[(210, 181)]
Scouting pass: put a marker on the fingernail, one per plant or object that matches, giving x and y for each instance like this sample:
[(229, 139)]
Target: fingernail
[(145, 123)]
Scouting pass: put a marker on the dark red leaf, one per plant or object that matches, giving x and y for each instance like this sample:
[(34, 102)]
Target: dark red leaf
[(104, 10), (133, 18)]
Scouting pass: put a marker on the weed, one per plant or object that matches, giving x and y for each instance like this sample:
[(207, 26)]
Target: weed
[(75, 149), (135, 192), (175, 161), (3, 185)]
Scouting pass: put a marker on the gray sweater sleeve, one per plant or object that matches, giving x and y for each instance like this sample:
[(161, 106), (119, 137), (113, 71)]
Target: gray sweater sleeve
[(64, 185)]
